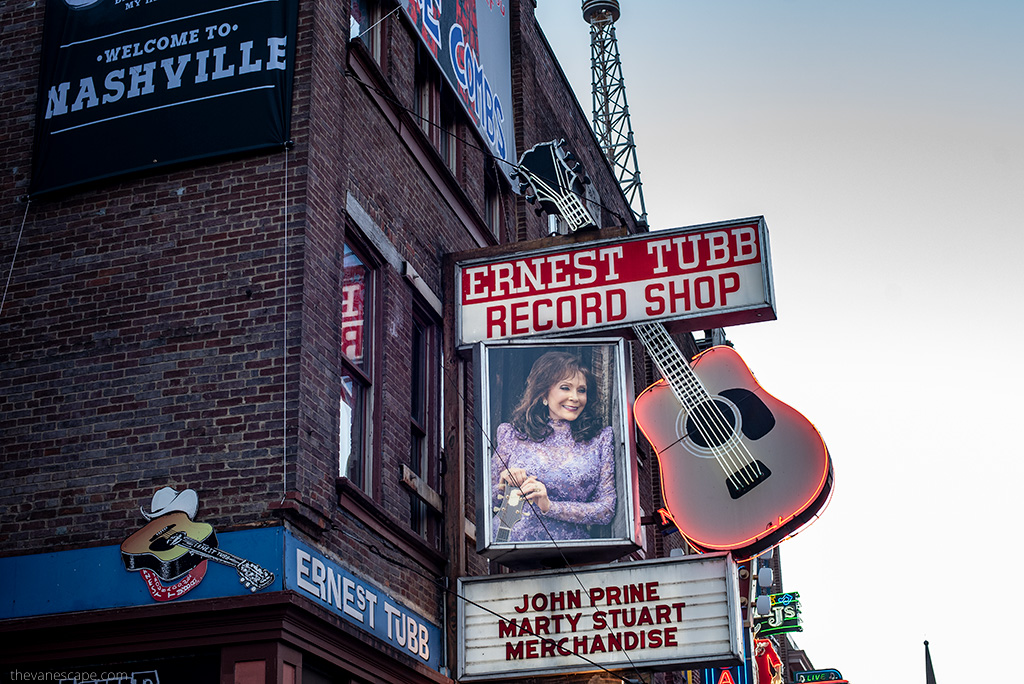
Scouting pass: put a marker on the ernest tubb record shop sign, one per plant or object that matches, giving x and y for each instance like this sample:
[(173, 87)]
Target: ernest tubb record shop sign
[(710, 275)]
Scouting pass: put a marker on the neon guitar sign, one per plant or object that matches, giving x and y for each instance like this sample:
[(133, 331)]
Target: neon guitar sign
[(740, 470)]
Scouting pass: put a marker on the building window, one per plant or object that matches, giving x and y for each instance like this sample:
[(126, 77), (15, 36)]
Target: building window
[(424, 424), (357, 286), (449, 143), (437, 110), (428, 96), (492, 201), (366, 25)]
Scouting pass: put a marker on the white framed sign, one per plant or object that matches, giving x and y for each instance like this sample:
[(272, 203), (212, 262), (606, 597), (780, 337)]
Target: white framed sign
[(712, 275), (668, 613), (554, 421)]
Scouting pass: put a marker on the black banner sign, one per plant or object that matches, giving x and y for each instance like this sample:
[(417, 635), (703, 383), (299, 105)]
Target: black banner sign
[(129, 85)]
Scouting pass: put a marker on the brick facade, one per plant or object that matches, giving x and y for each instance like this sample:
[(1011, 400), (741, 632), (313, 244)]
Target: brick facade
[(182, 328)]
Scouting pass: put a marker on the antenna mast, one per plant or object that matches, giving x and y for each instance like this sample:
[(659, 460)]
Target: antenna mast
[(611, 113)]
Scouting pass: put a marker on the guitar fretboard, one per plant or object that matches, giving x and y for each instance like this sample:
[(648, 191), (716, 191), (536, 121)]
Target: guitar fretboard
[(569, 205), (205, 550), (669, 360)]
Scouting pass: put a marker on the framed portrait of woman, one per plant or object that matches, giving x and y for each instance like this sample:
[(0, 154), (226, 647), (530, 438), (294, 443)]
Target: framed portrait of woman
[(556, 472)]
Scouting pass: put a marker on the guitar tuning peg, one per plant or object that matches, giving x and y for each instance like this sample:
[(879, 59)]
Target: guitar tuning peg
[(538, 211), (570, 158), (586, 180), (531, 199), (526, 514), (494, 510), (514, 175)]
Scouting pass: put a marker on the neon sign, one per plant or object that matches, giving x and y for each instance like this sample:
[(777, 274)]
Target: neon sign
[(783, 615), (822, 676)]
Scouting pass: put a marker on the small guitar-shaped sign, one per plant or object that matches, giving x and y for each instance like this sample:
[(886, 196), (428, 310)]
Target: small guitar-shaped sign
[(552, 174), (172, 544)]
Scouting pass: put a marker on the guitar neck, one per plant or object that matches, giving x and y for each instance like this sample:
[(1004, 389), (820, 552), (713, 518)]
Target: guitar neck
[(573, 211), (673, 366), (205, 550)]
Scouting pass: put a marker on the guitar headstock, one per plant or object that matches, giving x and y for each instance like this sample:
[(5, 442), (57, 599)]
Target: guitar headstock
[(557, 183), (253, 576), (511, 510)]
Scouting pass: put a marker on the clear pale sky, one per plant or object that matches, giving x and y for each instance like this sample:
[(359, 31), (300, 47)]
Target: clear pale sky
[(883, 142)]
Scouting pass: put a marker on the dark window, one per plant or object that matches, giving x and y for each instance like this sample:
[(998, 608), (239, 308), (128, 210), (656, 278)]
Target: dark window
[(424, 409), (366, 23), (436, 110), (492, 202)]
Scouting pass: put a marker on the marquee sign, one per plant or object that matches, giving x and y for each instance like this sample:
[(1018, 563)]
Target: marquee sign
[(711, 275), (128, 85), (666, 613)]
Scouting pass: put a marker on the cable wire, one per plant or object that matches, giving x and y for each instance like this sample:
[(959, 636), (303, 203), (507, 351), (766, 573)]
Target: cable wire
[(535, 511), (14, 258), (494, 158)]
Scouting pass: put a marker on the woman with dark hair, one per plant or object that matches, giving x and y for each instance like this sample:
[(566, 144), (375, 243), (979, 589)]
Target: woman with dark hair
[(556, 452)]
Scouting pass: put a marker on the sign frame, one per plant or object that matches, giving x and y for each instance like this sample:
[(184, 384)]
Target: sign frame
[(623, 534), (547, 587), (682, 276)]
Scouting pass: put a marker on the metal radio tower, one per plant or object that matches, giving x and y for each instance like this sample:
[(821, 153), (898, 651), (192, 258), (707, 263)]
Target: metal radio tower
[(611, 113)]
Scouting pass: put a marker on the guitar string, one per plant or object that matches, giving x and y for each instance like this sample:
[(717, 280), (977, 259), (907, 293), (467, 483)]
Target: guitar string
[(707, 418), (667, 363), (570, 212), (716, 424), (673, 382)]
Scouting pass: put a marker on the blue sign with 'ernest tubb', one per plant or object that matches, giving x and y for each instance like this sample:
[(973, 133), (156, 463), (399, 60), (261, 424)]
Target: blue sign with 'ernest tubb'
[(101, 577), (309, 572)]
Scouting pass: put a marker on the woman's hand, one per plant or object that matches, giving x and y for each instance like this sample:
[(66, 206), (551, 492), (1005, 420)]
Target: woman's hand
[(513, 476), (533, 489), (536, 493)]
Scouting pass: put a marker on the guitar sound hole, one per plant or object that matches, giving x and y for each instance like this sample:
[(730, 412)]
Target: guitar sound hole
[(711, 424), (158, 542)]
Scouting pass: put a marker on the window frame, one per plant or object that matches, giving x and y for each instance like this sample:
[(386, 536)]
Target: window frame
[(425, 429), (374, 35), (368, 479)]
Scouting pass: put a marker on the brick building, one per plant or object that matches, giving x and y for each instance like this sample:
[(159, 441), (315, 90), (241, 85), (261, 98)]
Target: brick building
[(265, 329)]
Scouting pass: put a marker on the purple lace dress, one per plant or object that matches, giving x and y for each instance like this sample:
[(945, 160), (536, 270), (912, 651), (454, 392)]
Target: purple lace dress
[(580, 479)]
